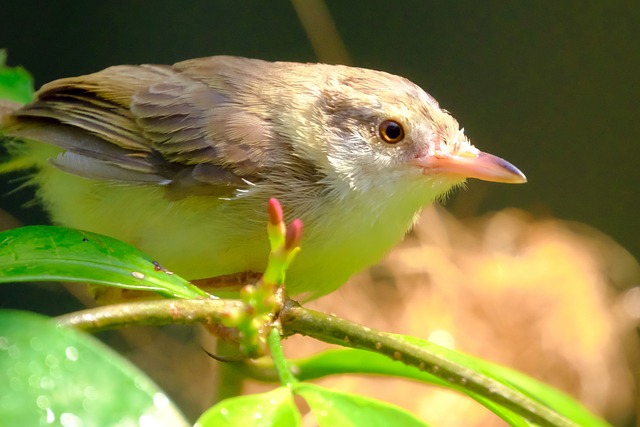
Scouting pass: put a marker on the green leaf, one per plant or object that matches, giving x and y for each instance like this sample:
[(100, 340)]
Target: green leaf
[(55, 376), (536, 390), (16, 83), (41, 253), (332, 408), (350, 361), (360, 361), (273, 409), (545, 394)]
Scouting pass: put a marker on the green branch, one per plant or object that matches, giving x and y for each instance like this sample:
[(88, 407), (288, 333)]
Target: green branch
[(151, 313), (334, 330), (295, 319)]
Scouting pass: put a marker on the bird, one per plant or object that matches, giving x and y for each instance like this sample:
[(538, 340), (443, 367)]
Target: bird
[(181, 160)]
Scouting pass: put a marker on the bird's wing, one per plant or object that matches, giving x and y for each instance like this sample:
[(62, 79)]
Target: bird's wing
[(149, 124)]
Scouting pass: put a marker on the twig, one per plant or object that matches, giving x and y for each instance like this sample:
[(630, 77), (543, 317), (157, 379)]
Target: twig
[(151, 313)]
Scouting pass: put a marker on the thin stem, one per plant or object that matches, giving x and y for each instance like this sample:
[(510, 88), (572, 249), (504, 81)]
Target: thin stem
[(150, 313), (298, 320), (324, 327), (279, 361)]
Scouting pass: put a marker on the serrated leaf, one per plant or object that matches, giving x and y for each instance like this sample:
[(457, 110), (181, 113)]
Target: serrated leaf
[(55, 376), (49, 253), (273, 409), (332, 408)]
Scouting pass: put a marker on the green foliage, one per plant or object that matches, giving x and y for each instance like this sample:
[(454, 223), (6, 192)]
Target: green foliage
[(57, 376), (57, 253), (16, 83), (329, 409), (50, 375), (332, 408), (28, 352), (275, 408), (351, 361)]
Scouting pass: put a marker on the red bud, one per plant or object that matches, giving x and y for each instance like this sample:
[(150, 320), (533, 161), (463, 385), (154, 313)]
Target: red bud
[(275, 212), (294, 234)]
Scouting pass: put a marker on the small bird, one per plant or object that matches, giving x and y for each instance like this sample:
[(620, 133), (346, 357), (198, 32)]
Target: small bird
[(180, 161)]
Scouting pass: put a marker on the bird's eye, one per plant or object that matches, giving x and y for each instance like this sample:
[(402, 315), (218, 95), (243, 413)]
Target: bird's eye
[(391, 131)]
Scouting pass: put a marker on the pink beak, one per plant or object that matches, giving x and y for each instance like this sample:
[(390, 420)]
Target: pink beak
[(472, 164)]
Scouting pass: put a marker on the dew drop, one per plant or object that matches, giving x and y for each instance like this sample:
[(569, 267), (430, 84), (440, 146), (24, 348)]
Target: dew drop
[(139, 383), (71, 353), (51, 417), (90, 392), (51, 361), (160, 400), (46, 383), (14, 352), (43, 402), (34, 381), (90, 401), (146, 420), (70, 420)]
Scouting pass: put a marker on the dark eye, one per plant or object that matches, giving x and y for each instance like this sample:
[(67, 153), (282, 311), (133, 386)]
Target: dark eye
[(391, 131)]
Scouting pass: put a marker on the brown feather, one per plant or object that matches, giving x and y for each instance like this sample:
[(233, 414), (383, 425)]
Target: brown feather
[(127, 121)]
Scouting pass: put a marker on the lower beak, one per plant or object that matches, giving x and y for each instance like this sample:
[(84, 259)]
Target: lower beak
[(473, 164)]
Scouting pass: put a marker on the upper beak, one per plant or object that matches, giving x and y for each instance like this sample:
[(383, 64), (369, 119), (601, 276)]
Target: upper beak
[(473, 164)]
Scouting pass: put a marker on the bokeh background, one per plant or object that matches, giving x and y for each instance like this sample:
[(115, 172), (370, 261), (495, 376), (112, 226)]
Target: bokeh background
[(551, 86)]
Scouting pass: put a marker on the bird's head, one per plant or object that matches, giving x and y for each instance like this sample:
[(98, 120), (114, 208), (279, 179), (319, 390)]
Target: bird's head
[(374, 131)]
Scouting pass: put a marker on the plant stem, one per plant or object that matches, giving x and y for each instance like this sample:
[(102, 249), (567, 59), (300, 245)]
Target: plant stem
[(324, 327), (298, 320), (150, 313), (279, 361)]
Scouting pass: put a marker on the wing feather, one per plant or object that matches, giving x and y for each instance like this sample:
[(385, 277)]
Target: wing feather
[(152, 124)]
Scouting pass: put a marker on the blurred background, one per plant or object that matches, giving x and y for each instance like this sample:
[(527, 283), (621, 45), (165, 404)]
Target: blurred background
[(552, 87)]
